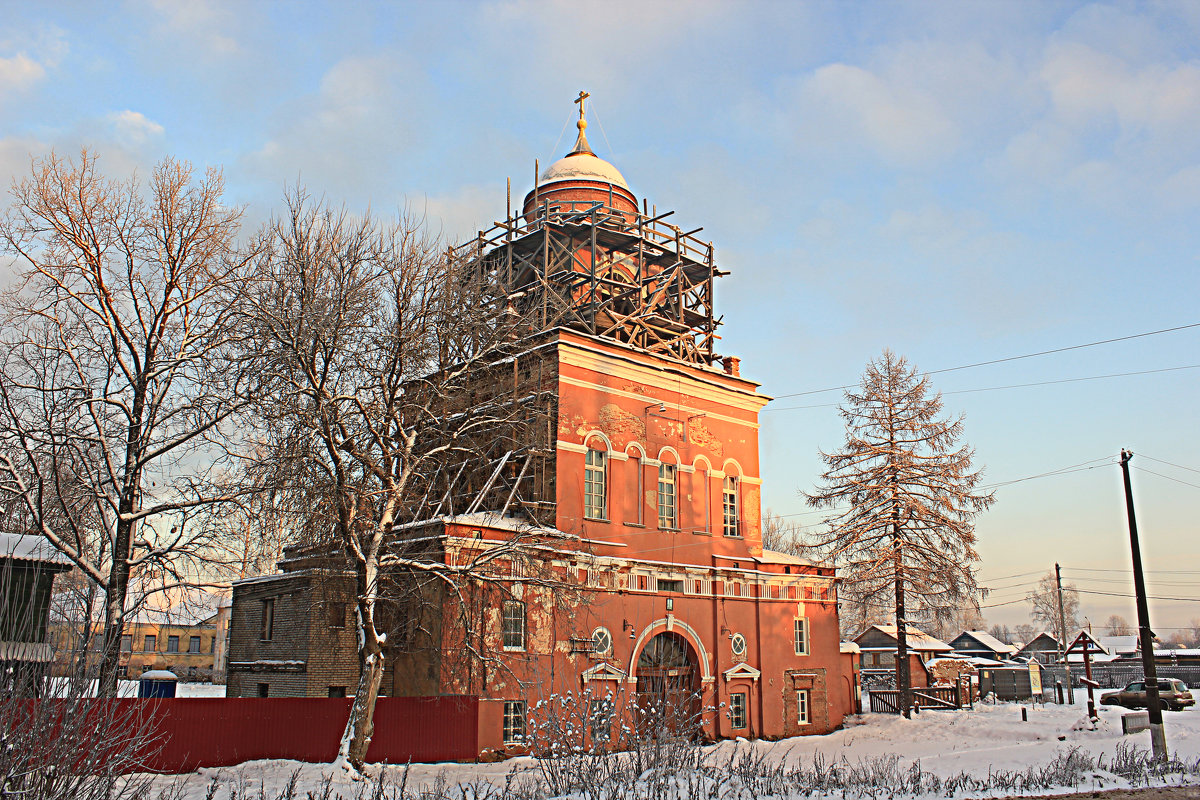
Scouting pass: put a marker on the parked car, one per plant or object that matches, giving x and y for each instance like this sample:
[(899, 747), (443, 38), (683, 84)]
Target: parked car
[(1172, 692)]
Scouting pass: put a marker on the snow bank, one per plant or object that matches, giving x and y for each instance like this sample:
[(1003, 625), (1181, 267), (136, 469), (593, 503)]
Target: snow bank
[(987, 740)]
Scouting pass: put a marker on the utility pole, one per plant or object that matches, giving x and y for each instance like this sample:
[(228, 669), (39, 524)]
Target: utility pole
[(1158, 736), (1062, 633)]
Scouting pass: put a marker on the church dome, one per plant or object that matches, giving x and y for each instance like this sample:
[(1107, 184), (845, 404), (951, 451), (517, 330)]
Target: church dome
[(583, 165), (580, 179)]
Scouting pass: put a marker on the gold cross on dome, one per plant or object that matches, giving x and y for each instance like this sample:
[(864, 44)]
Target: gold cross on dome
[(582, 96)]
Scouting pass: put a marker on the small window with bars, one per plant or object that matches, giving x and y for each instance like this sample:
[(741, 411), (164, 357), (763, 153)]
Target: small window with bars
[(737, 710), (514, 722)]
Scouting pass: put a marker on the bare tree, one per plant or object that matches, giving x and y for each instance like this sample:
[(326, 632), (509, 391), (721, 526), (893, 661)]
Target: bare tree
[(1045, 607), (113, 386), (907, 533), (1001, 633), (1118, 626), (374, 360), (781, 534)]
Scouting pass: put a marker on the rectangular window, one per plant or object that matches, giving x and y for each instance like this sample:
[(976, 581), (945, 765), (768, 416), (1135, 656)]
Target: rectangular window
[(800, 636), (212, 645), (150, 643), (802, 706), (737, 710), (264, 690), (337, 615), (670, 585), (514, 721), (512, 631), (667, 516), (337, 691), (122, 671), (729, 503), (267, 630), (172, 644), (600, 719), (194, 644), (594, 485), (127, 643)]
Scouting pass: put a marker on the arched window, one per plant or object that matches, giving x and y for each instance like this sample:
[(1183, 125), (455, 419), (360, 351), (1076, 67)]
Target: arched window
[(729, 503), (595, 484), (668, 512)]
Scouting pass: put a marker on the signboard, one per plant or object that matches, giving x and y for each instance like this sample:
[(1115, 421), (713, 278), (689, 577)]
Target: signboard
[(1035, 679)]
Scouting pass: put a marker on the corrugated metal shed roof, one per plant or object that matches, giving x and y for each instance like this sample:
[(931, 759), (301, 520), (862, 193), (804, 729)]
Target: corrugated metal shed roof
[(21, 547)]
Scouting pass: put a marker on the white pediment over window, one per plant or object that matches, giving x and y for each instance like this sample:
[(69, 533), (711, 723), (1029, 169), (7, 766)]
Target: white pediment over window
[(744, 671), (603, 672)]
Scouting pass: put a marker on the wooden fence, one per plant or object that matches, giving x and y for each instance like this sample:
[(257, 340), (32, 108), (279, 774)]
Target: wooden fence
[(887, 701)]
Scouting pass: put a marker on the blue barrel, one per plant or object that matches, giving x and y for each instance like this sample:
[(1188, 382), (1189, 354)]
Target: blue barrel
[(157, 683)]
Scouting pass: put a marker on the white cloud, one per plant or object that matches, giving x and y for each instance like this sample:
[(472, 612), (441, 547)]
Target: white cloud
[(35, 53), (204, 23), (19, 72), (133, 127), (900, 123), (347, 136)]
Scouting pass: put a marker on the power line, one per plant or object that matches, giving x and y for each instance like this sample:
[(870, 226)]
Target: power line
[(1014, 385), (1169, 464), (1148, 597), (1015, 358), (1168, 477)]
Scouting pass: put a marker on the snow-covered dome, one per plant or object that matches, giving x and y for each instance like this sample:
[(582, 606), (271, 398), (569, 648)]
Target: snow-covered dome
[(583, 165), (579, 180)]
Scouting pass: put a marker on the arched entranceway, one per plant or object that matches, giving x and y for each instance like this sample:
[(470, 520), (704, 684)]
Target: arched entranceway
[(668, 685)]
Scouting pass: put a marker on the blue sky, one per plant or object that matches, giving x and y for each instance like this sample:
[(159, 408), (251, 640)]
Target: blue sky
[(961, 182)]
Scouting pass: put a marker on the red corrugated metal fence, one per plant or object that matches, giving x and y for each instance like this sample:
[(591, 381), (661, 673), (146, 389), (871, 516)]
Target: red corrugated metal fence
[(218, 732)]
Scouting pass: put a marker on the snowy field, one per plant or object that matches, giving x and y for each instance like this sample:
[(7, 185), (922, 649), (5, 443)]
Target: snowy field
[(945, 746)]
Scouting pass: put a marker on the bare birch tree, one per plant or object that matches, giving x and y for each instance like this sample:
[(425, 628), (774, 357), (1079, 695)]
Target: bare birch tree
[(113, 389), (907, 534), (371, 356)]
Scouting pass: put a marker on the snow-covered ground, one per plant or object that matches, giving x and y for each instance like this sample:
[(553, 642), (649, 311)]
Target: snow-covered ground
[(988, 740)]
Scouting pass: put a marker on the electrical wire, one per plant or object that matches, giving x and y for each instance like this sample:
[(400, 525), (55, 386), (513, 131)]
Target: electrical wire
[(1148, 597), (1168, 463), (1168, 477), (1015, 358), (1012, 386)]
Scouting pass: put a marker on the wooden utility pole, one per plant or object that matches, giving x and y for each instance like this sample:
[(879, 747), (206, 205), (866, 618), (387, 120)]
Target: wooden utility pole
[(1062, 633), (1158, 736)]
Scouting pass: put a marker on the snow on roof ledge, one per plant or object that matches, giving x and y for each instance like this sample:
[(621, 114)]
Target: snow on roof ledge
[(22, 547)]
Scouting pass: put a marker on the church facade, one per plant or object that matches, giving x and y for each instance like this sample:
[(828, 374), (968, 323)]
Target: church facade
[(655, 584)]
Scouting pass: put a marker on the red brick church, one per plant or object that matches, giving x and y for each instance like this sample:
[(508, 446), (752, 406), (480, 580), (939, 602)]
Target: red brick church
[(649, 471)]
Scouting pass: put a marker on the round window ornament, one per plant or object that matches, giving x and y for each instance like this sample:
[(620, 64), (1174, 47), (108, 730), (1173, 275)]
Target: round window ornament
[(738, 644), (602, 641)]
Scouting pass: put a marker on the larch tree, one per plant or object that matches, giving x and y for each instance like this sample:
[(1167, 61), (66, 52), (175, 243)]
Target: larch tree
[(371, 361), (114, 374), (904, 496)]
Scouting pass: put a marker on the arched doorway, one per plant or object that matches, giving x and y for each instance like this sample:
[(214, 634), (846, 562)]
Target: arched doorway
[(668, 686)]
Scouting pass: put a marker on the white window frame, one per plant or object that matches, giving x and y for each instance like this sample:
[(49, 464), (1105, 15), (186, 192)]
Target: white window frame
[(595, 485), (513, 731), (803, 707), (739, 706), (668, 496), (730, 506), (800, 637), (512, 634)]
